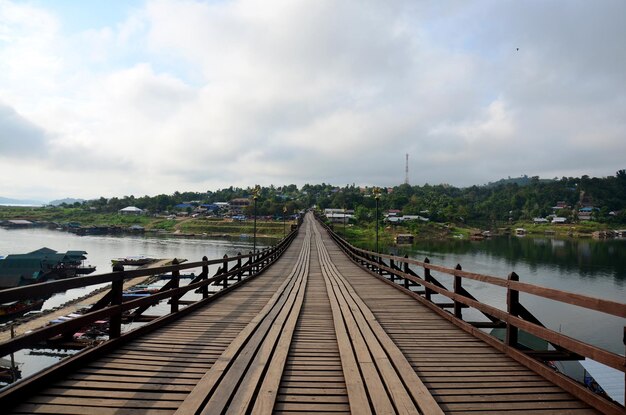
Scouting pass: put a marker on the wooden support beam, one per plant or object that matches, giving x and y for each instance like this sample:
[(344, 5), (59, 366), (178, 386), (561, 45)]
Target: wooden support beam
[(512, 307), (175, 284), (115, 321)]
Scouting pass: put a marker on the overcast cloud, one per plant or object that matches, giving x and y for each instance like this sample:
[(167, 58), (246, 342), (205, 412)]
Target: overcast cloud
[(151, 97)]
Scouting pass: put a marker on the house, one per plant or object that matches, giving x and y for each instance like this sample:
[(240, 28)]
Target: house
[(393, 212), (339, 217), (415, 217), (561, 205), (540, 220), (131, 210), (330, 211), (37, 266), (559, 220), (586, 213), (237, 206), (404, 238), (16, 223), (184, 206), (405, 218), (211, 207)]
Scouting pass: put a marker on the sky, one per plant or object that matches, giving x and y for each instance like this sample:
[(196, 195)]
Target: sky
[(148, 97)]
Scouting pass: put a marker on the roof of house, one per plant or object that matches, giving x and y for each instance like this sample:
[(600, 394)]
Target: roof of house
[(131, 209), (16, 268), (19, 222)]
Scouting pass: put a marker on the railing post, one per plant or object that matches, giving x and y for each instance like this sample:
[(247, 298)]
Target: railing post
[(115, 321), (512, 307), (239, 274), (428, 278), (225, 270), (379, 262), (250, 263), (175, 284), (407, 282), (205, 276), (392, 265), (407, 270), (458, 281)]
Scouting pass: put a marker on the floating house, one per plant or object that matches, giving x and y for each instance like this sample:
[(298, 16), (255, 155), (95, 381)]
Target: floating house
[(41, 265), (16, 223)]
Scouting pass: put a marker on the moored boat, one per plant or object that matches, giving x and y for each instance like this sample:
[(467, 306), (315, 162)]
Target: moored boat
[(133, 260)]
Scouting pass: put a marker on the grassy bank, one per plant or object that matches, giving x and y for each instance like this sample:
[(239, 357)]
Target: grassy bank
[(568, 230), (364, 235), (197, 226)]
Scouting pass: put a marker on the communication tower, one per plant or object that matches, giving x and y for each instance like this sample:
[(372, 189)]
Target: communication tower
[(406, 170)]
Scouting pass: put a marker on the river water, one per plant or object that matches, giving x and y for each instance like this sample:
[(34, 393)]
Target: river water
[(594, 268)]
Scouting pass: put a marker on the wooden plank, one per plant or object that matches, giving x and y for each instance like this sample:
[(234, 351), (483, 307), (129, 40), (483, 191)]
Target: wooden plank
[(87, 401), (80, 410)]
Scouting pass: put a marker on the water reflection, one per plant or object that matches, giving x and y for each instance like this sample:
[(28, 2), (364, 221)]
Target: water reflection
[(588, 258)]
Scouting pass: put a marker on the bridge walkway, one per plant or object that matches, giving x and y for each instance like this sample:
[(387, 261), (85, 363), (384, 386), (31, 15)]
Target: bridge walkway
[(313, 334)]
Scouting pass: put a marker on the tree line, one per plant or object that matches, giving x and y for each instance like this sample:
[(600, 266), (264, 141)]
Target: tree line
[(506, 200)]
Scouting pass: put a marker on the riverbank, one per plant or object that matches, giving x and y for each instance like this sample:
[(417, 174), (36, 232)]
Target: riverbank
[(83, 222), (364, 236)]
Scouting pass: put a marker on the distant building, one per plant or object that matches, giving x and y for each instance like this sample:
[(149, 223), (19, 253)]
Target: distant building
[(131, 210), (237, 206), (405, 218), (341, 211), (404, 238), (39, 265), (16, 223), (586, 213), (540, 220), (339, 217), (183, 206), (559, 220), (561, 205)]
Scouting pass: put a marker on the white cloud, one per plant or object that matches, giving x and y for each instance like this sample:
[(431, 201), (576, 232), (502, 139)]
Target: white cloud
[(187, 95)]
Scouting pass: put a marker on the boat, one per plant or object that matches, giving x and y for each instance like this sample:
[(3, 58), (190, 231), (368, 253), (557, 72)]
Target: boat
[(9, 372), (18, 308), (133, 260), (520, 231)]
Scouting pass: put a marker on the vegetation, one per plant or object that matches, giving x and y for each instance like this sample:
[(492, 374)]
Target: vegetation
[(451, 210)]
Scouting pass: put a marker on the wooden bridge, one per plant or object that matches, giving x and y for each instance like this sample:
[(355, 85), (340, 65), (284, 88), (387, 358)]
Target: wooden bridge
[(312, 326)]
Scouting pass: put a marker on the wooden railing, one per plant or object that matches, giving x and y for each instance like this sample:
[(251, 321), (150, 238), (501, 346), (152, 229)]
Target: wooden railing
[(401, 272), (232, 272)]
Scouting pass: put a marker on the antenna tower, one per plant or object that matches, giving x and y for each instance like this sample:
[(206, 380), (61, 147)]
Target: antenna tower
[(406, 170)]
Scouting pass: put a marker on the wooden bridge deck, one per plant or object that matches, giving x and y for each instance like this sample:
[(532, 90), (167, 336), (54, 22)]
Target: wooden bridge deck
[(313, 334)]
